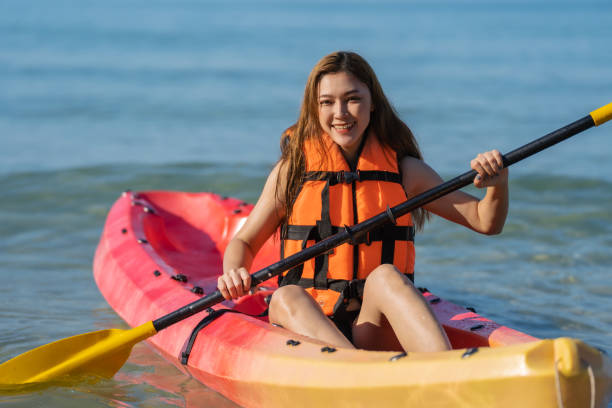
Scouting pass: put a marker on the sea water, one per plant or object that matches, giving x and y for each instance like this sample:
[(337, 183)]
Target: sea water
[(100, 97)]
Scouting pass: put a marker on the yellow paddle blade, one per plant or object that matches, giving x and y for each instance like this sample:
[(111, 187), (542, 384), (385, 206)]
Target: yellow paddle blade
[(100, 353)]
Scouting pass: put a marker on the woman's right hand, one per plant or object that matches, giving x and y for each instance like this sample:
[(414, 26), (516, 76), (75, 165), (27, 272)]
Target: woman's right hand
[(234, 283)]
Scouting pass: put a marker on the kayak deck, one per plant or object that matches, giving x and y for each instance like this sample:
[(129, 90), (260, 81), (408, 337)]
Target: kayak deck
[(161, 250)]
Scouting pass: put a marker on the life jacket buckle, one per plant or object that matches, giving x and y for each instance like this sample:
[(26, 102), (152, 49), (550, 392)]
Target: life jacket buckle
[(349, 177)]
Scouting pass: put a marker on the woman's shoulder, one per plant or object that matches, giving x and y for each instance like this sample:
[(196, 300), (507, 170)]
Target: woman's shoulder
[(416, 174), (412, 164), (279, 172)]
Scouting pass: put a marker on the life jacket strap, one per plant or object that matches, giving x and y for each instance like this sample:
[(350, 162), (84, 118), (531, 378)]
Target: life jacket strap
[(348, 177), (324, 227), (352, 289), (311, 233)]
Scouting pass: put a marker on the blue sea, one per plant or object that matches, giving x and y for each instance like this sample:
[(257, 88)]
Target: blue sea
[(97, 97)]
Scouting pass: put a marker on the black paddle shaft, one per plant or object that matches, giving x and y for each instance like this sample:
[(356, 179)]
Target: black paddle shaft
[(349, 234)]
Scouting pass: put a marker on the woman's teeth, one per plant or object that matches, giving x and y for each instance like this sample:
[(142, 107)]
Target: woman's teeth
[(344, 126)]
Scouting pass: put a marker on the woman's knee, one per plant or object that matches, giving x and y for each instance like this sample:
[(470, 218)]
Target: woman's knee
[(285, 302), (387, 275)]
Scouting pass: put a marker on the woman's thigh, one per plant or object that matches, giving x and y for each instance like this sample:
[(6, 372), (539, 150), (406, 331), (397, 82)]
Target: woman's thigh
[(294, 309), (395, 316), (372, 330)]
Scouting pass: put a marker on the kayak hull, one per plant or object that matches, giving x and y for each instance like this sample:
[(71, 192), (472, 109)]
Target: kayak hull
[(162, 250)]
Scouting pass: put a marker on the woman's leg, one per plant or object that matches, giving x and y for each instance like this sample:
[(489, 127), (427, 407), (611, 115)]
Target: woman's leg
[(294, 309), (394, 313)]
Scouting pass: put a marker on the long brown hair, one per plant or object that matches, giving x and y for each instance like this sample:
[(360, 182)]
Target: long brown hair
[(385, 124)]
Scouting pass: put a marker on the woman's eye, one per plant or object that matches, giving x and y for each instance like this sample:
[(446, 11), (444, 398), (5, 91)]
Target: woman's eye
[(325, 102), (354, 99)]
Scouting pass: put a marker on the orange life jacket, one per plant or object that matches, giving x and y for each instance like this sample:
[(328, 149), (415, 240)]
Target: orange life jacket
[(333, 196)]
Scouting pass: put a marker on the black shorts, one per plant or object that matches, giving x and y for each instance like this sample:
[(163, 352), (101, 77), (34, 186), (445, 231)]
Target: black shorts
[(344, 322)]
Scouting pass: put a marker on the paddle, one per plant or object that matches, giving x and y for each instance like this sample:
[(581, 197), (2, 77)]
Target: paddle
[(102, 353)]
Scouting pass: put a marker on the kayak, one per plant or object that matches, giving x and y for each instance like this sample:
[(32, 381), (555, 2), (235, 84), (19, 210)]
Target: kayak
[(161, 250)]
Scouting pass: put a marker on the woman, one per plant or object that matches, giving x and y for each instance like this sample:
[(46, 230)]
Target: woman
[(347, 158)]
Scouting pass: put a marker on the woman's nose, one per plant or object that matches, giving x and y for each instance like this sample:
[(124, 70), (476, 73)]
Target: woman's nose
[(341, 109)]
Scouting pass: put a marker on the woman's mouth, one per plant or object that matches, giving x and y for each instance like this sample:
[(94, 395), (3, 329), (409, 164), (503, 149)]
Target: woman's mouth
[(344, 126)]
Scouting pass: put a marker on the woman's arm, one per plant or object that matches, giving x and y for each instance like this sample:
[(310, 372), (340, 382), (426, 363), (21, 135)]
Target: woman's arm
[(262, 222), (486, 216)]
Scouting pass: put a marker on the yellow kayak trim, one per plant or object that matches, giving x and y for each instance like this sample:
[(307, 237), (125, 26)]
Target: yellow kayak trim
[(553, 373)]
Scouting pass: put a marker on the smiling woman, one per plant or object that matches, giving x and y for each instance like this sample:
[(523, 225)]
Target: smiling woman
[(348, 158)]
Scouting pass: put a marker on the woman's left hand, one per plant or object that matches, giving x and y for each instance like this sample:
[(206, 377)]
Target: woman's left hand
[(490, 168)]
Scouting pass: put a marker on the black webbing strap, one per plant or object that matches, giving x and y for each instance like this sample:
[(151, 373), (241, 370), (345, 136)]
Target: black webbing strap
[(308, 233), (388, 252), (324, 227), (295, 273), (212, 316), (352, 288), (338, 177)]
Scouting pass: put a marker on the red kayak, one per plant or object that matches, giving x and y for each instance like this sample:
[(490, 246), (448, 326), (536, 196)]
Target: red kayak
[(162, 250)]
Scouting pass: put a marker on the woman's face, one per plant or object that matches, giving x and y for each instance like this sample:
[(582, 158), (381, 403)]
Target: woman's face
[(345, 105)]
